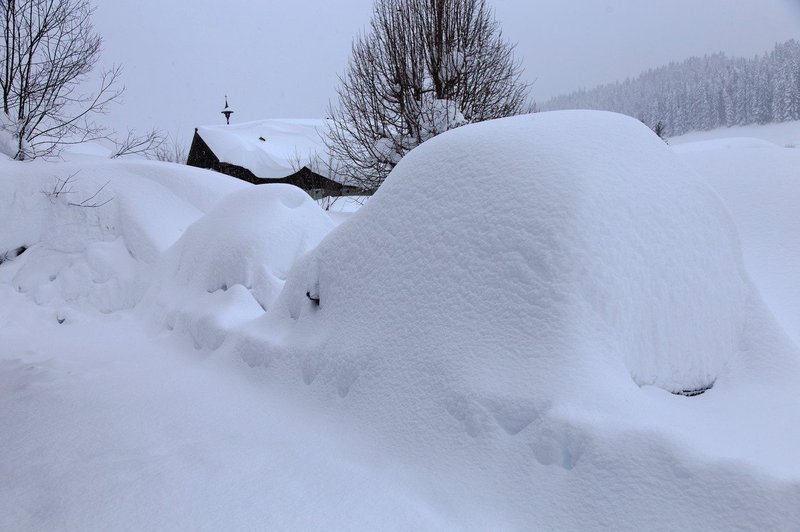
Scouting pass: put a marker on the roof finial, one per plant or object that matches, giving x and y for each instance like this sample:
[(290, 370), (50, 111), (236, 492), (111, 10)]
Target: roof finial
[(227, 111)]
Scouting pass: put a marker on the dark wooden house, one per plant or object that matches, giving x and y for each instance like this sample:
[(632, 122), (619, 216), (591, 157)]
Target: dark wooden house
[(268, 151)]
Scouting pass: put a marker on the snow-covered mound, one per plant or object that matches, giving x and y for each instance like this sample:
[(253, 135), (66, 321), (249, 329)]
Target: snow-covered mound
[(81, 233), (231, 264), (489, 343), (497, 313), (761, 187), (8, 146), (271, 149), (558, 238)]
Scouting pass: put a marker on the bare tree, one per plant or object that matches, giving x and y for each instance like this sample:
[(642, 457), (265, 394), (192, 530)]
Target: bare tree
[(147, 145), (329, 167), (62, 188), (172, 150), (424, 66), (49, 50)]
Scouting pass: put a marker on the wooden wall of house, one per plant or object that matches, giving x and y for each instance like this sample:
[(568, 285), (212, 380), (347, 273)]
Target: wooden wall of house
[(201, 156)]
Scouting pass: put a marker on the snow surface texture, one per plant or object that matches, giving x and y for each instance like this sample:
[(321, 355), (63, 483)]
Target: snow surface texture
[(91, 229), (8, 147), (783, 134), (271, 149), (106, 427), (760, 183), (230, 265), (622, 245), (501, 307), (481, 354)]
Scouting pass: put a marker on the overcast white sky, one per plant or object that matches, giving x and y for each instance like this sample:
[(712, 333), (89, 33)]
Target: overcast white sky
[(280, 59)]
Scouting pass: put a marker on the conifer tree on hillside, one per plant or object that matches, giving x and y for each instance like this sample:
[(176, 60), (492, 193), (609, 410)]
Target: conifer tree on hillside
[(704, 92)]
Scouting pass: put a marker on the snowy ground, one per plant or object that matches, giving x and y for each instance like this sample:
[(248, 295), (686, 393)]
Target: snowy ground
[(784, 134), (472, 362), (756, 174), (107, 428)]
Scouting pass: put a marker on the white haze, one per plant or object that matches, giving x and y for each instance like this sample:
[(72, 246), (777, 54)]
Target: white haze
[(279, 60)]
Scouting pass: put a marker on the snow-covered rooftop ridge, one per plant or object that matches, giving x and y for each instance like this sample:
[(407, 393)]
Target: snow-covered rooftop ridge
[(271, 149)]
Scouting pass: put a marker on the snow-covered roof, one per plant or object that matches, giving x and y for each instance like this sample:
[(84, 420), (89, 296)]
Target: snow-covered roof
[(271, 149)]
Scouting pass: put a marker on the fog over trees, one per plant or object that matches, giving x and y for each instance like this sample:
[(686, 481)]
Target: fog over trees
[(703, 93)]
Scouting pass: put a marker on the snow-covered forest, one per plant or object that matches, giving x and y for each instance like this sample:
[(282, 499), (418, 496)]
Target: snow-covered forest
[(703, 93)]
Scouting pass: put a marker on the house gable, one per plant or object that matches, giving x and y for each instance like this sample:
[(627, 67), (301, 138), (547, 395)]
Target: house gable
[(202, 156)]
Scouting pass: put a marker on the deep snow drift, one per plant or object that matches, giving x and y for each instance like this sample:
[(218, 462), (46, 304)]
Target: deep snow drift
[(509, 297), (578, 243), (783, 134), (92, 227), (230, 265), (760, 183), (489, 343)]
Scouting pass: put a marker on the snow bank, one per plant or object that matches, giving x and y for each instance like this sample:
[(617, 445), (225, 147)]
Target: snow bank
[(230, 265), (271, 149), (784, 134), (761, 187), (499, 326), (7, 145), (341, 208), (503, 312), (89, 229), (579, 243), (728, 143)]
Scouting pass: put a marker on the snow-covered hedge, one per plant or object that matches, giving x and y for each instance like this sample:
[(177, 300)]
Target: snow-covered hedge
[(92, 227)]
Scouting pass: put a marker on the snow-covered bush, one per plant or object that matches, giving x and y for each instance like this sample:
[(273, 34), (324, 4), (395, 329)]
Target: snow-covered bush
[(8, 136), (231, 264), (559, 235), (92, 228)]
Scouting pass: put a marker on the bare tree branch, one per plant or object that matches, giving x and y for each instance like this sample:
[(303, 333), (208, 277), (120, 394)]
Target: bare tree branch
[(90, 202), (63, 187), (49, 50), (172, 150), (147, 145), (424, 67)]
